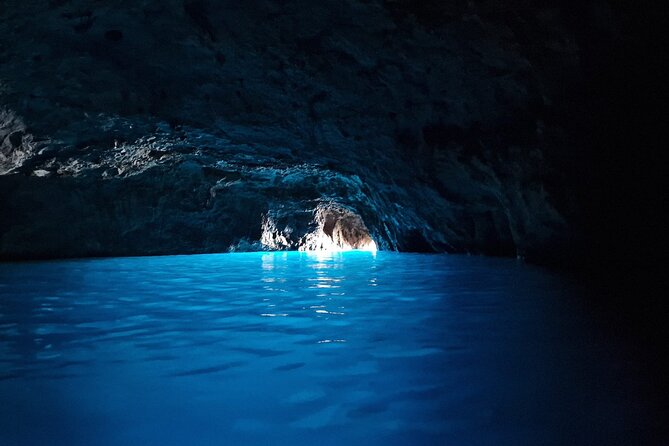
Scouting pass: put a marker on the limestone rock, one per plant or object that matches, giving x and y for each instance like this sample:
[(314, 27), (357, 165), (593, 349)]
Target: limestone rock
[(155, 127)]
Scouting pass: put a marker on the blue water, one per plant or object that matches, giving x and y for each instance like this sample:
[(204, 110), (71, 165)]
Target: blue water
[(306, 349)]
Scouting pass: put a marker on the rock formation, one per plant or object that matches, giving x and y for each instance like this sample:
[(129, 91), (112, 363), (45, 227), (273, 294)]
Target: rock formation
[(183, 126)]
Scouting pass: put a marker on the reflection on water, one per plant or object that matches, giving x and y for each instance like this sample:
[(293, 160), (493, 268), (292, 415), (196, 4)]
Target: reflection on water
[(305, 348)]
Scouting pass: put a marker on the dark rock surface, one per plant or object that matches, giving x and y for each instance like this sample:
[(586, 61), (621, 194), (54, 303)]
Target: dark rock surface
[(181, 126)]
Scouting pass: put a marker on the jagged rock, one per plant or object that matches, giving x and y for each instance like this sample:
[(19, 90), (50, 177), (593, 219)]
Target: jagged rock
[(188, 126), (337, 228)]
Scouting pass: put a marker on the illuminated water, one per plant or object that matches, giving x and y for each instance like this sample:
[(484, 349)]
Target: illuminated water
[(299, 349)]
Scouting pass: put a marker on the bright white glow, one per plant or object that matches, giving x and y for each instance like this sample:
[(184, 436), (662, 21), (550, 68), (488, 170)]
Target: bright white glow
[(345, 232), (321, 242), (371, 246), (329, 312)]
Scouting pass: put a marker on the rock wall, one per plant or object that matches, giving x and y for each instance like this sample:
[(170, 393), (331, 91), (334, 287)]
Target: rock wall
[(181, 126)]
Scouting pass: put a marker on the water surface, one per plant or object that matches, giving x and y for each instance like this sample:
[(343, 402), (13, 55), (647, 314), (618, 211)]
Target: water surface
[(305, 349)]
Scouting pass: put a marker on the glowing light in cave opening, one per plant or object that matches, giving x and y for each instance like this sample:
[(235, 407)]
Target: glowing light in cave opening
[(338, 230), (321, 242), (371, 247)]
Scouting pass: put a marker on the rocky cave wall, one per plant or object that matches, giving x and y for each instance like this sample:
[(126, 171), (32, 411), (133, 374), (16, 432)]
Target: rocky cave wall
[(180, 126)]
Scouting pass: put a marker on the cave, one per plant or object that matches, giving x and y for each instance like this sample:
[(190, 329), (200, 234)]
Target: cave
[(352, 222), (337, 229)]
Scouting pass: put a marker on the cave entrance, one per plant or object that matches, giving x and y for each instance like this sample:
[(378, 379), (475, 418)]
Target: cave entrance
[(338, 229)]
